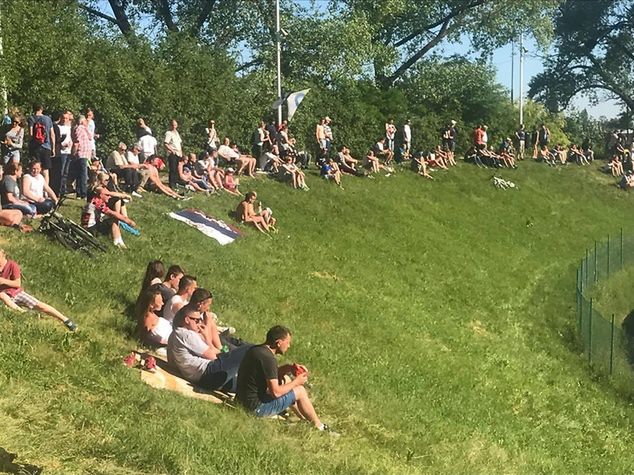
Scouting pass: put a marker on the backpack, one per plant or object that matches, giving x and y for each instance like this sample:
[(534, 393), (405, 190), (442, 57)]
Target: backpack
[(39, 133)]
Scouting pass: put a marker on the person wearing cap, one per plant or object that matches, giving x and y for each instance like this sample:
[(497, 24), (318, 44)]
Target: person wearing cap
[(14, 297), (230, 183)]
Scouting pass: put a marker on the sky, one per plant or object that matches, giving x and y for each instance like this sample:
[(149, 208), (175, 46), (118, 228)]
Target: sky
[(533, 65)]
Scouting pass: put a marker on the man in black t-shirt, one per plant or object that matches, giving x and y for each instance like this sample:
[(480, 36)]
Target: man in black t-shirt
[(261, 389)]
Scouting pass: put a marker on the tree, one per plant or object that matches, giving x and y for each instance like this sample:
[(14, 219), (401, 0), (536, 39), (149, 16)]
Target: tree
[(406, 31), (595, 52)]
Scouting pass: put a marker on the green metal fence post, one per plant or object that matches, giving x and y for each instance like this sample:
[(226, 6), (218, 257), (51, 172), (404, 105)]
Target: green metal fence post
[(585, 283), (596, 277), (611, 344), (608, 247), (590, 335), (621, 248)]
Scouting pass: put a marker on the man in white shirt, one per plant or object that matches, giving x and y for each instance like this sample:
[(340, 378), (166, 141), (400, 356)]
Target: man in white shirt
[(174, 146), (147, 145), (407, 137)]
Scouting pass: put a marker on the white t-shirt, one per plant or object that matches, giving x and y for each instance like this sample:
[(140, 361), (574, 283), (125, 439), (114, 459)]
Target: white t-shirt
[(91, 129), (163, 329), (407, 133), (172, 306), (132, 158), (34, 184), (147, 144), (227, 152), (67, 143), (173, 139)]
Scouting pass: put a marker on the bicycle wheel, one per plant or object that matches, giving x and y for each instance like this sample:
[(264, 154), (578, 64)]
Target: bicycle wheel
[(89, 238), (65, 240)]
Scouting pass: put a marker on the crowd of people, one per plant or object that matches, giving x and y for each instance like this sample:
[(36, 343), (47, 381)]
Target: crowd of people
[(174, 315)]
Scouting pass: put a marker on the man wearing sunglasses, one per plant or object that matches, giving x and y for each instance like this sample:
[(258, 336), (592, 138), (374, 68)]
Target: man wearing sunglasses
[(195, 350)]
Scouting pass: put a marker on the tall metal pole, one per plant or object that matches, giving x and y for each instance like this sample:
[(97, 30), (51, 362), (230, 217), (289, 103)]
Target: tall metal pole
[(513, 71), (3, 85), (279, 60), (521, 78)]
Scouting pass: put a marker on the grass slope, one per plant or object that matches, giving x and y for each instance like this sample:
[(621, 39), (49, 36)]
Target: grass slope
[(439, 329)]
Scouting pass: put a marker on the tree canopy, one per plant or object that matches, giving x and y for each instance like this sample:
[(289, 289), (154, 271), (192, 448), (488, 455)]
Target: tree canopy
[(595, 52)]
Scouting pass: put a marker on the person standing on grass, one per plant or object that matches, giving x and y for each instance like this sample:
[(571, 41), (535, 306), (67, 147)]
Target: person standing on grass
[(174, 146), (261, 387), (82, 151), (42, 145), (520, 137), (12, 295)]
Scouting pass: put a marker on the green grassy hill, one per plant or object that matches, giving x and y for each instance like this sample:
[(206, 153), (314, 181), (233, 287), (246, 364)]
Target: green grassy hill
[(437, 319)]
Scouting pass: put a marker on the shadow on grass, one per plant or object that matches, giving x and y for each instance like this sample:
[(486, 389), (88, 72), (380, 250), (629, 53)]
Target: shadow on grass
[(7, 465)]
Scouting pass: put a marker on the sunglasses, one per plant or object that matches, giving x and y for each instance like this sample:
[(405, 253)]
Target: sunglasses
[(197, 320)]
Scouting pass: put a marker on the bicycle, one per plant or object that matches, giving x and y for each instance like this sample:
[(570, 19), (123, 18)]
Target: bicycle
[(68, 233)]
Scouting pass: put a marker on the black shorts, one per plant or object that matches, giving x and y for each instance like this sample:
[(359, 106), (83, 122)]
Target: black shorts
[(104, 227), (42, 155)]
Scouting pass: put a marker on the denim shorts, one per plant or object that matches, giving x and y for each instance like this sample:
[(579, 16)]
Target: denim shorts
[(276, 406)]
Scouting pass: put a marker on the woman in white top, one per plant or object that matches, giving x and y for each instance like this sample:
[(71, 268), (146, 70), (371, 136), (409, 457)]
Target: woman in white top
[(14, 140), (36, 191), (152, 329)]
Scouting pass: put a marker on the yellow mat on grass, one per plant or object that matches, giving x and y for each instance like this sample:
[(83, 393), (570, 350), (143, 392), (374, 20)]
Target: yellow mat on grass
[(163, 378)]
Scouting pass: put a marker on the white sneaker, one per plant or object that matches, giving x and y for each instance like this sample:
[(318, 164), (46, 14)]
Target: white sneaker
[(136, 195)]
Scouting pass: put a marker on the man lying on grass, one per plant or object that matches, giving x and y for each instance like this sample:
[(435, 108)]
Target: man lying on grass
[(15, 298), (261, 386)]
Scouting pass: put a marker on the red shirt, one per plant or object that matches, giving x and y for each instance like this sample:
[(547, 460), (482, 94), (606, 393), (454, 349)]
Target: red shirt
[(11, 271), (478, 136)]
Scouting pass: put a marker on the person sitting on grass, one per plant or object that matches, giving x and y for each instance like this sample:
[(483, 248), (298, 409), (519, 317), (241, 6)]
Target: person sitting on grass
[(195, 351), (627, 181), (154, 273), (10, 191), (545, 155), (442, 157), (262, 388), (262, 220), (577, 155), (230, 183), (207, 165), (434, 159), (373, 163), (330, 171), (152, 329), (185, 177), (419, 165), (201, 301), (36, 191), (116, 198), (381, 151), (346, 163), (186, 288), (12, 295), (170, 284), (97, 217), (298, 177), (616, 166)]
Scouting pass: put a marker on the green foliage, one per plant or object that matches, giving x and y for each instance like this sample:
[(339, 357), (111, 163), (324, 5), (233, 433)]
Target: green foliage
[(595, 47)]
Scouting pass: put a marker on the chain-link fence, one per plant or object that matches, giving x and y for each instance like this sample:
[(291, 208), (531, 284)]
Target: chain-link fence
[(605, 342)]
